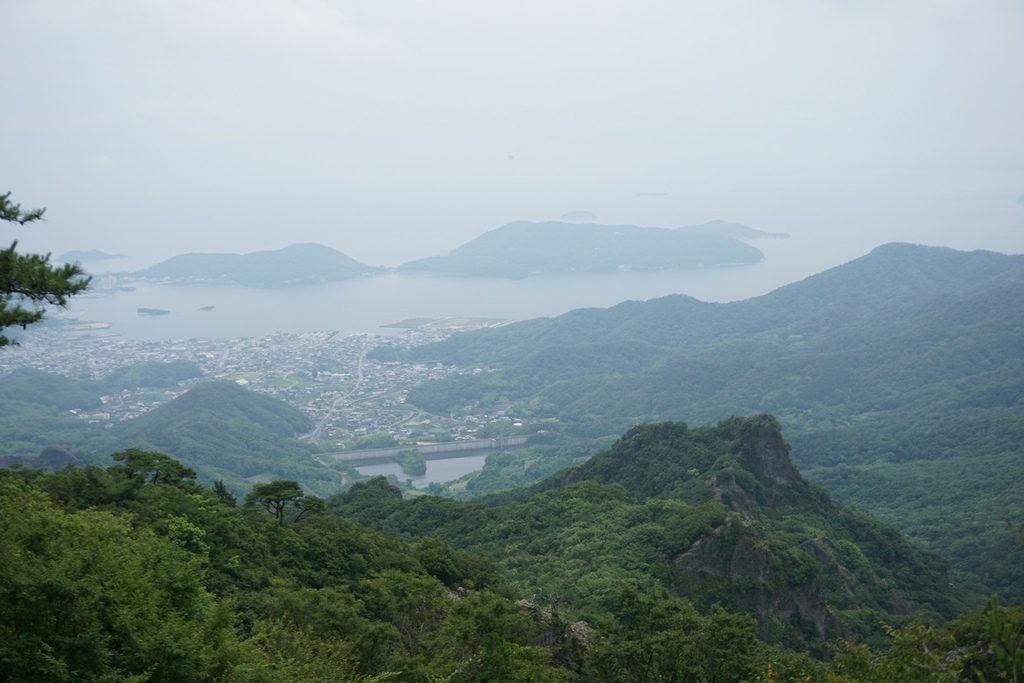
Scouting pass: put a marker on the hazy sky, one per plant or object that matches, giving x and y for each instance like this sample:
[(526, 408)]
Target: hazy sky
[(393, 130)]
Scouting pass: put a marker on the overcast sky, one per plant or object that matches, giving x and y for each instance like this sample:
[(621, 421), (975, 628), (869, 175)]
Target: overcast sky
[(398, 129)]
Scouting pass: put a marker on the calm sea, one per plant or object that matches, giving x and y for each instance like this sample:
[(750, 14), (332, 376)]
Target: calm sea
[(363, 305)]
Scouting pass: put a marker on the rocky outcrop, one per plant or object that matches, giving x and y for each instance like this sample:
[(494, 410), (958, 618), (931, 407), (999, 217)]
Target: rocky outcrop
[(808, 570), (738, 568)]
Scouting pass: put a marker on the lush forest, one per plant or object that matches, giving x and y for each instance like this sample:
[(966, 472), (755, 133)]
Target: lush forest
[(136, 573), (218, 428), (523, 248), (717, 515), (899, 378)]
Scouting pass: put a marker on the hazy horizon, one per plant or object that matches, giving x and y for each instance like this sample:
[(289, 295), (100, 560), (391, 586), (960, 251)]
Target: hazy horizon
[(395, 131)]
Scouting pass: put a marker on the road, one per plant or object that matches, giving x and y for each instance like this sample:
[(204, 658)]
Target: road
[(317, 433)]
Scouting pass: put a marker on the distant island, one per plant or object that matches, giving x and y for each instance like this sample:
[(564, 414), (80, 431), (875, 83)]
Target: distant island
[(516, 250), (522, 249), (79, 256), (297, 264), (152, 311), (734, 230)]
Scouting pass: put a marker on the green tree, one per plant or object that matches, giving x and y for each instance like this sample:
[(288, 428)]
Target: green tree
[(151, 467), (223, 494), (665, 639), (88, 597), (277, 497), (27, 281)]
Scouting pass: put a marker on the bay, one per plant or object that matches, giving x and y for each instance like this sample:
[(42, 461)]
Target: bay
[(364, 305)]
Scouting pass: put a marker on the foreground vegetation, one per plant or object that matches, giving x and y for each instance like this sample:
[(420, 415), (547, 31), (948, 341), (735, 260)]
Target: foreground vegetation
[(136, 573)]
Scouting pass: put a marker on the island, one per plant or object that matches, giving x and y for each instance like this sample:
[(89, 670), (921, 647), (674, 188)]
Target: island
[(152, 311), (524, 249), (78, 256), (297, 264)]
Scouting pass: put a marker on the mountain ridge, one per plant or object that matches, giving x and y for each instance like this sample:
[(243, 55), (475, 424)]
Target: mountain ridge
[(716, 515), (900, 364)]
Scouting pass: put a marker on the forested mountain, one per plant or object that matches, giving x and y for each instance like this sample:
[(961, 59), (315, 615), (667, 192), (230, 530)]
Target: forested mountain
[(296, 264), (899, 378), (218, 428), (40, 410), (135, 573), (717, 515), (227, 432), (523, 248)]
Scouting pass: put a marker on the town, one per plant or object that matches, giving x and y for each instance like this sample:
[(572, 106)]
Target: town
[(352, 401)]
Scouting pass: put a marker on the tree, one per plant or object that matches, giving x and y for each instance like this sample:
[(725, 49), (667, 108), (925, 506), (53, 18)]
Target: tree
[(277, 496), (151, 467), (28, 282), (223, 495), (88, 596)]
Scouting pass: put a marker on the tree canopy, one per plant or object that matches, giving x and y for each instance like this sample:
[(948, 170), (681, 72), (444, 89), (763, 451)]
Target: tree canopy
[(28, 282), (113, 575), (282, 495)]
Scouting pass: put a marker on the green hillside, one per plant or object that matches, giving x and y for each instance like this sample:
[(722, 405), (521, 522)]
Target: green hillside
[(522, 249), (226, 432), (35, 414), (220, 429), (297, 264), (899, 378), (717, 515), (134, 572)]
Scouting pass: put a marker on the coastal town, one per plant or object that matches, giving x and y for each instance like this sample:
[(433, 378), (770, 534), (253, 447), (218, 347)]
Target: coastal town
[(347, 395)]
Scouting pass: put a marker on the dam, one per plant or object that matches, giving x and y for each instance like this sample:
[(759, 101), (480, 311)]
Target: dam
[(429, 451)]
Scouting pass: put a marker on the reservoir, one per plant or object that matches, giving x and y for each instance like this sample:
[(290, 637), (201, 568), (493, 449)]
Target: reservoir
[(441, 471)]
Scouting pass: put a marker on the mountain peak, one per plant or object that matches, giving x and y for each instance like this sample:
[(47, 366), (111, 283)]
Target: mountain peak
[(743, 462), (763, 453)]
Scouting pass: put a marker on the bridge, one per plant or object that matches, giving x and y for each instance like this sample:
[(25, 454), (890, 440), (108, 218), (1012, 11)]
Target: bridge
[(431, 451)]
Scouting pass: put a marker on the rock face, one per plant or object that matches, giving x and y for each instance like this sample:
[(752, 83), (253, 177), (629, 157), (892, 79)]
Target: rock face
[(808, 570), (738, 567), (766, 455)]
